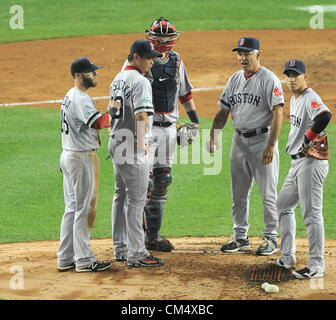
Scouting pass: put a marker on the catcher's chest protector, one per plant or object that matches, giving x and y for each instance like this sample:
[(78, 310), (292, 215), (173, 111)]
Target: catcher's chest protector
[(164, 80)]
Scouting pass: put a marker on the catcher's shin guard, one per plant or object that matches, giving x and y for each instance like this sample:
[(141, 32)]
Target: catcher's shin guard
[(153, 219), (155, 205)]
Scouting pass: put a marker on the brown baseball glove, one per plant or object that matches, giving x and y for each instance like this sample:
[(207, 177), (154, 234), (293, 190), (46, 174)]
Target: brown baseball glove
[(318, 148)]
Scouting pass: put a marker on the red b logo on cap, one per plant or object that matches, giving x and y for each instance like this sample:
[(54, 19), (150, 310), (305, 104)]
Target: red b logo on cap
[(291, 63), (241, 41)]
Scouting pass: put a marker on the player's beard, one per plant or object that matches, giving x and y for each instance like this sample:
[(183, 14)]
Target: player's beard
[(88, 82)]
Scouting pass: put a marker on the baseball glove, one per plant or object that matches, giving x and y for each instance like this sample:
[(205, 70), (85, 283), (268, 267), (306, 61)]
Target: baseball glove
[(186, 132), (318, 148)]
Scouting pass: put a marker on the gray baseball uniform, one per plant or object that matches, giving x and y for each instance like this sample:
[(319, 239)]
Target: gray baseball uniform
[(251, 101), (304, 183), (80, 166), (162, 144), (169, 80), (131, 168)]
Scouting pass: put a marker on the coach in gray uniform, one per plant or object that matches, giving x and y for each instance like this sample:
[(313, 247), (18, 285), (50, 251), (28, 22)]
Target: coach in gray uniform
[(255, 99), (309, 117)]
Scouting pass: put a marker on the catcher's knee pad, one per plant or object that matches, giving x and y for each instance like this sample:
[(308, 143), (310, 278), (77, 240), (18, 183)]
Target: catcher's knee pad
[(162, 180)]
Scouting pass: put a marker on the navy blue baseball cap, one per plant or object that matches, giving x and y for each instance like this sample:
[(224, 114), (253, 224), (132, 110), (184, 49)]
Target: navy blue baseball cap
[(144, 49), (247, 44), (83, 64), (295, 65)]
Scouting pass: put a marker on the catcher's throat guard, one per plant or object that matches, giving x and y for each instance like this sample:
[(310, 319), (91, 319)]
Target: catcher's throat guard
[(186, 133)]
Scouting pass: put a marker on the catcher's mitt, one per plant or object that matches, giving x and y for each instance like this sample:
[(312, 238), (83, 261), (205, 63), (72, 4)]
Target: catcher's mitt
[(186, 132), (318, 148)]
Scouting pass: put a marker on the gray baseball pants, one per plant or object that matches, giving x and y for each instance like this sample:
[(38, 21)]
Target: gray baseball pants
[(80, 183), (246, 166), (304, 184), (131, 183)]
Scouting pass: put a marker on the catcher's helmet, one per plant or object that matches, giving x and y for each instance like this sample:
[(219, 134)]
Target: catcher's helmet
[(162, 34)]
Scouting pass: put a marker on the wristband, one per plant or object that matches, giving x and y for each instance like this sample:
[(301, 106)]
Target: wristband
[(310, 134), (193, 116)]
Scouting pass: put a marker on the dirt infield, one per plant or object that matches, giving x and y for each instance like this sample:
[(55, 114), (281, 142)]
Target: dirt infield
[(39, 70), (195, 271)]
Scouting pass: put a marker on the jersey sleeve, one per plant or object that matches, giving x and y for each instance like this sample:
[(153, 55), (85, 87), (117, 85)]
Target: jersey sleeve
[(224, 98), (142, 97), (315, 106), (185, 85), (274, 92), (86, 110)]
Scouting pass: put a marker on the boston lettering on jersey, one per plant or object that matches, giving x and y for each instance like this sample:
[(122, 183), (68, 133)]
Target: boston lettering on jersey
[(121, 85), (244, 98), (295, 121)]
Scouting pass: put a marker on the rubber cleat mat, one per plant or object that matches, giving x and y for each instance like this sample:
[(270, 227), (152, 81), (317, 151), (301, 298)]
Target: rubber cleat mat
[(271, 273)]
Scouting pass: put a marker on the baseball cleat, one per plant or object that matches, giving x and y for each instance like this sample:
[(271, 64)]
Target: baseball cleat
[(163, 245), (236, 245), (267, 247), (120, 258), (66, 268), (149, 261), (306, 273), (95, 266), (284, 265)]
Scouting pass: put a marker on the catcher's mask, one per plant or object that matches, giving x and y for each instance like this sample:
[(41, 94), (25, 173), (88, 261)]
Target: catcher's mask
[(162, 35)]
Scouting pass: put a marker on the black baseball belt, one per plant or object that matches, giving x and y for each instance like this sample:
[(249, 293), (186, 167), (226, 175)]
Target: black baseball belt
[(298, 156), (253, 133), (162, 124)]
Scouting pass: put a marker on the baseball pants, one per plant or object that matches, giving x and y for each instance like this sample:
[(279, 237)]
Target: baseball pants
[(304, 184), (246, 166), (80, 183), (162, 146), (131, 183)]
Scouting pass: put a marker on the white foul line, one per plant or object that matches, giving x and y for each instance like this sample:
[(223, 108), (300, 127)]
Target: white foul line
[(95, 98)]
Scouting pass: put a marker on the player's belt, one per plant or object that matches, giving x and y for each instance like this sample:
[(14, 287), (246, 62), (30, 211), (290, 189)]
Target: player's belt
[(162, 124), (298, 156), (252, 133)]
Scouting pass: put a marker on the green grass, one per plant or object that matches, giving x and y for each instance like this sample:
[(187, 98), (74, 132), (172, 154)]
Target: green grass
[(44, 19), (31, 192)]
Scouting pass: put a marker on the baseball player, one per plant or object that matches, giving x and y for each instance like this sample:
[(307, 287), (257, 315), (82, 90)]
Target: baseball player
[(80, 166), (254, 98), (128, 148), (170, 84), (309, 116)]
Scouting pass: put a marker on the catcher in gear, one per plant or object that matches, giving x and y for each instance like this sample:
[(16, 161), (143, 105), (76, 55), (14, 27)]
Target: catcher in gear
[(308, 146), (170, 84)]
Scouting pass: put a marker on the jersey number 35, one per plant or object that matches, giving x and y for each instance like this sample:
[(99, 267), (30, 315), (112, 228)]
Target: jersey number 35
[(64, 123)]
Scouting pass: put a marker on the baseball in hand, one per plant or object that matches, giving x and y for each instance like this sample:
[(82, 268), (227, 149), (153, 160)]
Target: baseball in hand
[(208, 146)]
